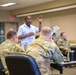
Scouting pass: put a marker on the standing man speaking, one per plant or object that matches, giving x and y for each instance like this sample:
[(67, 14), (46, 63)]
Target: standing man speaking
[(26, 32)]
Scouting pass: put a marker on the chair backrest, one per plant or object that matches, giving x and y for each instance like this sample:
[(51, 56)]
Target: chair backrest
[(21, 64), (2, 72), (1, 65)]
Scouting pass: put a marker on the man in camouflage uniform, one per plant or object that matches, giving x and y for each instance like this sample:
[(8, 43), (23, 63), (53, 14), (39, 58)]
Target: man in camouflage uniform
[(9, 46), (44, 50), (63, 44)]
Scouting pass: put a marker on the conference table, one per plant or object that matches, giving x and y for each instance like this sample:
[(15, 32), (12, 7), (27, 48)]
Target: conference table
[(65, 63), (61, 65)]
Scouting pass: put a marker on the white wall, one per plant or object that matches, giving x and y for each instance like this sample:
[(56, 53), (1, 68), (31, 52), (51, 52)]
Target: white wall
[(5, 16)]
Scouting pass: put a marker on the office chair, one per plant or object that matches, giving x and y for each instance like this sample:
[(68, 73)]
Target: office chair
[(2, 71), (57, 67), (21, 64)]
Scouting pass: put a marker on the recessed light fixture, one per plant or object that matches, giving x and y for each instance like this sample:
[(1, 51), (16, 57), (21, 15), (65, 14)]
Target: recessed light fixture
[(7, 4)]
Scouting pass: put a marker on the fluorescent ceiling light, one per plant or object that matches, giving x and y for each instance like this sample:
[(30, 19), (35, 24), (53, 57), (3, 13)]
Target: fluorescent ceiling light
[(50, 10), (7, 4)]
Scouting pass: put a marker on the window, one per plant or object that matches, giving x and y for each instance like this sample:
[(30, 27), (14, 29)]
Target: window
[(2, 32)]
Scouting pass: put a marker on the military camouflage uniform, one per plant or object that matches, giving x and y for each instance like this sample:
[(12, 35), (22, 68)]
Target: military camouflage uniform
[(43, 51), (62, 44), (8, 47)]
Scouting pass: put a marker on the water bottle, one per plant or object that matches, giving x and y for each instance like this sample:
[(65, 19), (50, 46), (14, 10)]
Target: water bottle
[(72, 55)]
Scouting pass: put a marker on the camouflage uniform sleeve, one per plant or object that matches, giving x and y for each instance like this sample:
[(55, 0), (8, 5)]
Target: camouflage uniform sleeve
[(17, 48), (5, 49), (57, 55), (68, 45)]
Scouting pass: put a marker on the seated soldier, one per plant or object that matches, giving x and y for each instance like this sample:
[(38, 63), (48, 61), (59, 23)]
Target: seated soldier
[(43, 50), (9, 46), (63, 44)]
